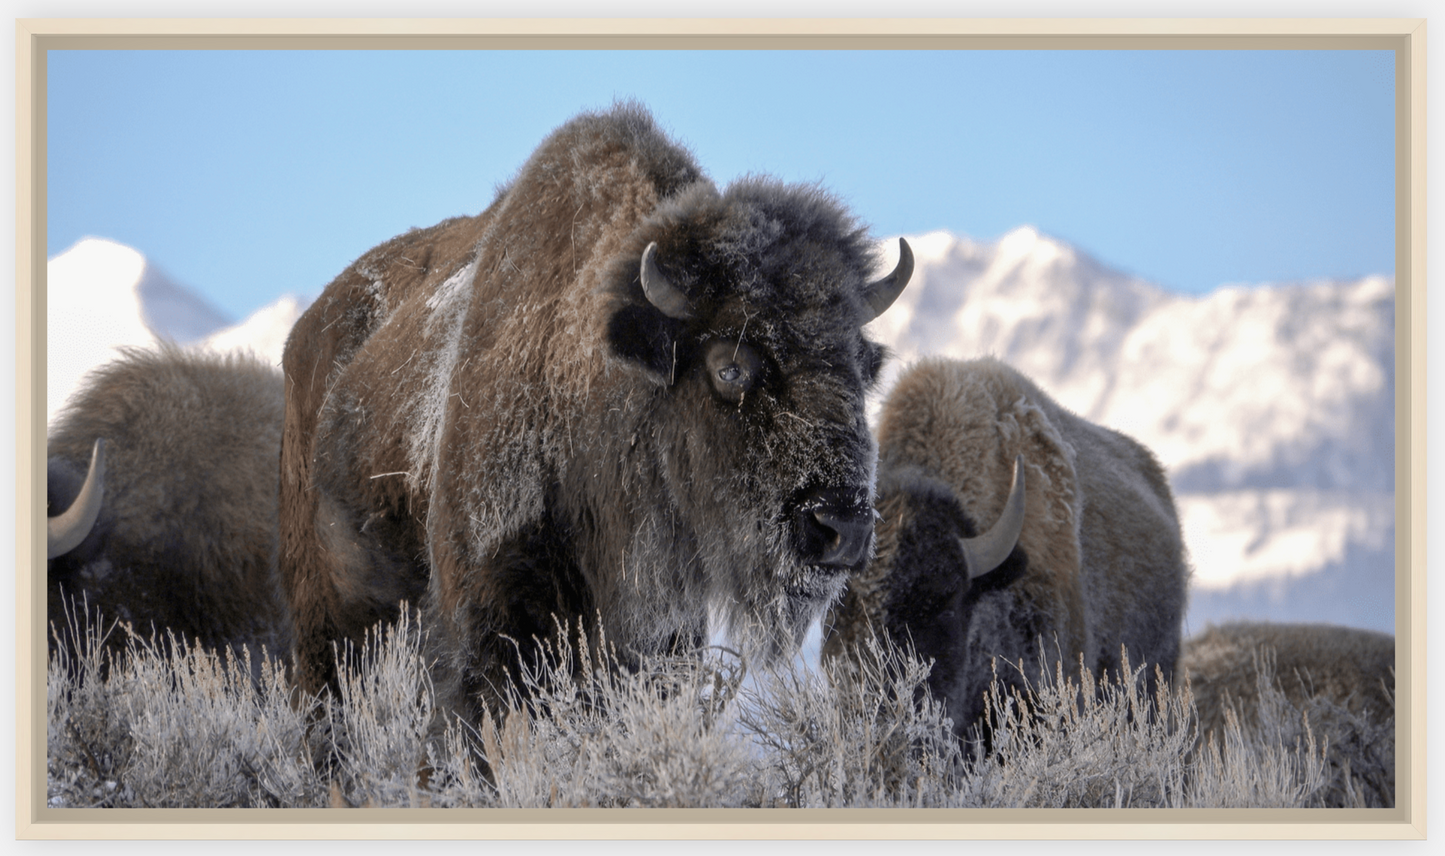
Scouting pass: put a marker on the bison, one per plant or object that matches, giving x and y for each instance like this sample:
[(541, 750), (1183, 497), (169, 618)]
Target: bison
[(1342, 678), (1082, 557), (618, 398), (162, 474)]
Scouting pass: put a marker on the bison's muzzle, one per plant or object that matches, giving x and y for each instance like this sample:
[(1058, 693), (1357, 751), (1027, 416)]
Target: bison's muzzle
[(834, 528)]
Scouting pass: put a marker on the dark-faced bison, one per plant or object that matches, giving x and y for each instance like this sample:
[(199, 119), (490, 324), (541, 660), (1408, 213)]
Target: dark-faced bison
[(1093, 561), (1341, 678), (174, 525), (617, 396)]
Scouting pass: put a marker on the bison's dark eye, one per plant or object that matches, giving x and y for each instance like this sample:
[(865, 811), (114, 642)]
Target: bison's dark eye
[(733, 368)]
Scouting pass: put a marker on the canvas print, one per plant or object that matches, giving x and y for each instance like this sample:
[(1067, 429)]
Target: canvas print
[(755, 429)]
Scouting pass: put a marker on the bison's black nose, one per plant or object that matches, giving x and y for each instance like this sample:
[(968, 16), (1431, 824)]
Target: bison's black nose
[(835, 528)]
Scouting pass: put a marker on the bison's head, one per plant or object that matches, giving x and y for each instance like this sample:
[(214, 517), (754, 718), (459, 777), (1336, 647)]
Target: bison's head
[(931, 569), (75, 501), (76, 533), (746, 311)]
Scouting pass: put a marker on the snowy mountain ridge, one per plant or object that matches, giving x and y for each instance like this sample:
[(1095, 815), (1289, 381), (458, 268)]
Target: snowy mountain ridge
[(1275, 386), (102, 296)]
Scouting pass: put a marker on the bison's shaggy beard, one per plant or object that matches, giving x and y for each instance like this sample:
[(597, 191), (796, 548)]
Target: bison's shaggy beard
[(759, 594), (739, 494)]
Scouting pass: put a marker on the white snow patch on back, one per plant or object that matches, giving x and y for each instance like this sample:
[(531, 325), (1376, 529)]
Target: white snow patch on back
[(447, 308)]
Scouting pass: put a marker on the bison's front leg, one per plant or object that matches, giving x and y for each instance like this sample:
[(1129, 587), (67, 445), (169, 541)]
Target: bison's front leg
[(497, 619), (356, 586)]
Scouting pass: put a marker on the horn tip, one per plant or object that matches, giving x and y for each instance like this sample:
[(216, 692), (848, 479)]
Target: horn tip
[(905, 255)]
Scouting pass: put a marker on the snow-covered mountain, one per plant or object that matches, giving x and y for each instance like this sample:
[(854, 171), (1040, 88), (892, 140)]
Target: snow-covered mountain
[(1272, 407), (102, 296), (263, 332)]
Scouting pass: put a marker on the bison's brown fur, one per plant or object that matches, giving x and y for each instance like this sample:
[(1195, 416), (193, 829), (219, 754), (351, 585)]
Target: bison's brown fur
[(1342, 678), (490, 417), (186, 536), (1099, 562)]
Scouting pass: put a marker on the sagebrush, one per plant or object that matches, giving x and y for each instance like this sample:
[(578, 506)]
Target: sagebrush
[(156, 722)]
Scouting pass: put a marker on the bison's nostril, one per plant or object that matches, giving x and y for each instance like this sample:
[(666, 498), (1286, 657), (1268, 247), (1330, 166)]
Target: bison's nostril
[(845, 536), (832, 526)]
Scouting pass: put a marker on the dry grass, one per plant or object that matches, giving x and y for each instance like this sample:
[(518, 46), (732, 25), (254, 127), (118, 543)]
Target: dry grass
[(1072, 744), (163, 724), (581, 732)]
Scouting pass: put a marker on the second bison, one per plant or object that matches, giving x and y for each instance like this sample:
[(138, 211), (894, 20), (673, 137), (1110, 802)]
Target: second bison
[(618, 393), (1084, 557), (180, 533)]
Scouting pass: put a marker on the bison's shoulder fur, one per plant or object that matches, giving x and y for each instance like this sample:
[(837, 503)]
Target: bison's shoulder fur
[(186, 536), (1099, 562)]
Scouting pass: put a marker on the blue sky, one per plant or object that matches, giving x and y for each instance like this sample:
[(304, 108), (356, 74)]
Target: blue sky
[(246, 175)]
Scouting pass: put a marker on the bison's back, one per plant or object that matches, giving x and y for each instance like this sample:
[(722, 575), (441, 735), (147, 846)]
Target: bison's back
[(1352, 666), (362, 373), (437, 383)]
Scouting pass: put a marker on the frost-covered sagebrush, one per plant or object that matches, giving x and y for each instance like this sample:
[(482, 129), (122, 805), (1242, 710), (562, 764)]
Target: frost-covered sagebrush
[(156, 722)]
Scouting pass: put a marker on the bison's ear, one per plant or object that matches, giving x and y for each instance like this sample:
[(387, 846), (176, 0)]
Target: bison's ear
[(646, 338)]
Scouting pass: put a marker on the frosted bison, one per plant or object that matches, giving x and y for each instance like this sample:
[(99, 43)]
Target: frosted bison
[(172, 524), (1342, 678), (617, 393), (1082, 552)]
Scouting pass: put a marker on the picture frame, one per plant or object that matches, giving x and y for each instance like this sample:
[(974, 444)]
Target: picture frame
[(1405, 37)]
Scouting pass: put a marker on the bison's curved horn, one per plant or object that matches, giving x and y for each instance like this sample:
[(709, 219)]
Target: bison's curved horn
[(881, 294), (988, 550), (661, 293), (66, 530)]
